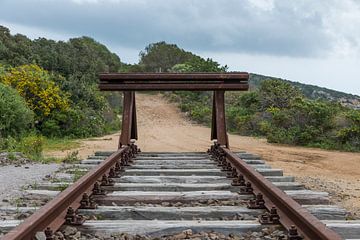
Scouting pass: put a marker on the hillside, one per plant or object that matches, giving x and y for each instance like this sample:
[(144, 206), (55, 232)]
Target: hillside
[(313, 92), (58, 81), (165, 57)]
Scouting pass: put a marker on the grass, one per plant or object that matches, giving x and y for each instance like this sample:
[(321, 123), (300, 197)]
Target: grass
[(61, 187), (33, 147), (60, 144), (77, 174), (47, 160), (71, 157)]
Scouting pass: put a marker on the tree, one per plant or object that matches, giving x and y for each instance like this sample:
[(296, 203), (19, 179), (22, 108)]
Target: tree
[(164, 57), (199, 64), (278, 94), (182, 68), (161, 57), (73, 68), (15, 117)]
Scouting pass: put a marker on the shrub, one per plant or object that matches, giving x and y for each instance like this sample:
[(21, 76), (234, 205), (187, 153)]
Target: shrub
[(8, 144), (201, 114), (304, 122), (71, 157), (350, 135), (33, 83), (74, 122), (32, 146), (15, 117), (277, 93)]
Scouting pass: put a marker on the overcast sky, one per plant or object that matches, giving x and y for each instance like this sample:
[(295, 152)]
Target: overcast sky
[(310, 41)]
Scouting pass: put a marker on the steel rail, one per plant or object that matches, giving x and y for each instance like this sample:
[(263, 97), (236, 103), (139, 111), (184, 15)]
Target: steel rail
[(291, 213), (173, 81), (241, 76), (187, 86), (53, 214)]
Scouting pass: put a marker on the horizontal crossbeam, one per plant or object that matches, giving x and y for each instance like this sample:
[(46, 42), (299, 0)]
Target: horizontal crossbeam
[(174, 81)]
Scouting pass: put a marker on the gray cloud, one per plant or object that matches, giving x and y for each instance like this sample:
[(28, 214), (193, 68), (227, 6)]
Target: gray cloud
[(279, 28)]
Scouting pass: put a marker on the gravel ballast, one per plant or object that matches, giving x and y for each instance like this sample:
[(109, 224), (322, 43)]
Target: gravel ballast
[(14, 178)]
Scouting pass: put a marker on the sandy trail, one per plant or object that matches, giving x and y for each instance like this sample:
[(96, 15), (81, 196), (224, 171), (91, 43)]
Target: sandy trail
[(162, 127)]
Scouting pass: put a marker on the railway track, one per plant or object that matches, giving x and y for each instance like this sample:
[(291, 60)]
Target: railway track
[(213, 195)]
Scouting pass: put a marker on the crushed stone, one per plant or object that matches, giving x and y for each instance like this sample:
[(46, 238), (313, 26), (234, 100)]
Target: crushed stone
[(13, 178), (265, 234)]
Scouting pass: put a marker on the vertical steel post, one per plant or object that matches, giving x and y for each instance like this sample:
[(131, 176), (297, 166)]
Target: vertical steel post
[(128, 125), (213, 119), (218, 128), (134, 133)]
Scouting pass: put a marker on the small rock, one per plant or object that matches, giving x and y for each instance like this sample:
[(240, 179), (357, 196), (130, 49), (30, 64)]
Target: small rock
[(93, 217), (69, 231), (213, 236), (21, 216), (59, 236), (77, 235), (188, 232)]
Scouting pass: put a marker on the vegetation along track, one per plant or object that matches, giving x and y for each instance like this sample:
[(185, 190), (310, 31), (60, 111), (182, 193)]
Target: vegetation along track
[(193, 195)]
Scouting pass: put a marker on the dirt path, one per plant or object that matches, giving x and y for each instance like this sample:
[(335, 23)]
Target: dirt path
[(162, 127)]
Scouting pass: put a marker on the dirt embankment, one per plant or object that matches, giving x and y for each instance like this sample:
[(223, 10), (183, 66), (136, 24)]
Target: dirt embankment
[(162, 127)]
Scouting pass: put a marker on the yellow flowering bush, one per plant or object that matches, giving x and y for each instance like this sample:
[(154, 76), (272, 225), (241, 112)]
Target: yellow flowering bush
[(34, 84)]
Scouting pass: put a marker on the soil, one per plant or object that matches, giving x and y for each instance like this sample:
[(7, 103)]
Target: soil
[(162, 127)]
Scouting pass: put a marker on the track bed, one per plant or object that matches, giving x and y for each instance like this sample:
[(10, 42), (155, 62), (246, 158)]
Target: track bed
[(181, 196)]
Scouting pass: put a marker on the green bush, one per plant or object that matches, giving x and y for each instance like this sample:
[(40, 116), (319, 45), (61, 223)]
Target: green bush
[(15, 117), (304, 122), (277, 93), (75, 122), (201, 114), (8, 144), (280, 112), (349, 135), (32, 146)]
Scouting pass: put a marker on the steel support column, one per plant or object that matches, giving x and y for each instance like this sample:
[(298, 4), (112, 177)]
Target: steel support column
[(218, 127), (129, 125)]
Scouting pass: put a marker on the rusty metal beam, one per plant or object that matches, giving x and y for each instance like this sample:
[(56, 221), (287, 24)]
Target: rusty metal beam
[(53, 213), (186, 86), (228, 76), (290, 212), (173, 81), (218, 128)]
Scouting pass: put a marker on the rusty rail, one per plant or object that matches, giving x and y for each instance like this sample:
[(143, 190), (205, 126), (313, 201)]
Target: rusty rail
[(173, 81), (52, 215), (289, 213), (228, 76)]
